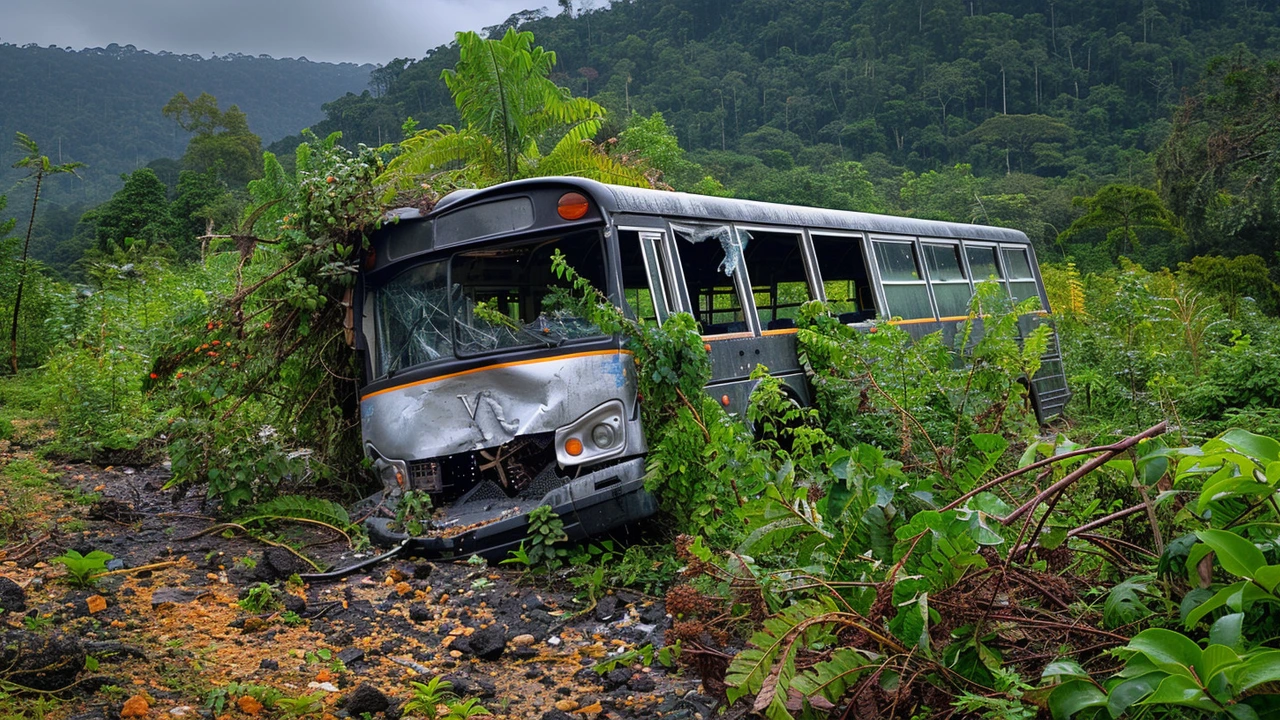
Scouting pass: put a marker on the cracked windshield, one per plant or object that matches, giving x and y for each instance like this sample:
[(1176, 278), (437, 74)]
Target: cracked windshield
[(499, 298)]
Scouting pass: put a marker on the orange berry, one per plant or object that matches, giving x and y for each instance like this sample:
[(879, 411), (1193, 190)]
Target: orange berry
[(154, 376)]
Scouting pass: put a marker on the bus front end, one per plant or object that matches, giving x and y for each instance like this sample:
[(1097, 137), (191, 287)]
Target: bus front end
[(491, 394)]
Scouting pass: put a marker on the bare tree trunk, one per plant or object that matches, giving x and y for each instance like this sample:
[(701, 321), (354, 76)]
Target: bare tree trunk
[(22, 278)]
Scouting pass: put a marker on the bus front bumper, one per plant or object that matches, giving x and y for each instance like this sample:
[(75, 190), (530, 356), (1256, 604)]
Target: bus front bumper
[(594, 503)]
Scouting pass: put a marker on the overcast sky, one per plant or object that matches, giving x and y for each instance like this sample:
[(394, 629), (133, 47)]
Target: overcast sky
[(372, 31)]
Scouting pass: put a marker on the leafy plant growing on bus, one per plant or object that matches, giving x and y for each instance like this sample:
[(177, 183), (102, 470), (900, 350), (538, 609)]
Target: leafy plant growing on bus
[(919, 395), (413, 511), (701, 463)]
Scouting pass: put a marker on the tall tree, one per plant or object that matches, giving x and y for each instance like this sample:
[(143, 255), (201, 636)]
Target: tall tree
[(510, 110), (222, 139), (37, 166), (139, 211), (1220, 168), (1121, 211)]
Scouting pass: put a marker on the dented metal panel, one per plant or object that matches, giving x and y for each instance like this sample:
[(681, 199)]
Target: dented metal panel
[(484, 408)]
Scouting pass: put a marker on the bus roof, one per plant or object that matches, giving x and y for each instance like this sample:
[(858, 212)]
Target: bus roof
[(618, 199)]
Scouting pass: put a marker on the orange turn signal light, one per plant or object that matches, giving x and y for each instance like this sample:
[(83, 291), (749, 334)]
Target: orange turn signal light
[(724, 400), (572, 206), (573, 446)]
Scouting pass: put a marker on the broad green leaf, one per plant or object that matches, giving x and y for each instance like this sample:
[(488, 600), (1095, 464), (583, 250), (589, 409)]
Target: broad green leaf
[(1171, 651), (1268, 577), (1258, 669), (1237, 555), (1239, 597), (1179, 690), (1063, 667), (1255, 446), (1216, 659), (1193, 600), (1240, 711), (1073, 696), (1124, 603), (1227, 630), (1132, 690), (1052, 538)]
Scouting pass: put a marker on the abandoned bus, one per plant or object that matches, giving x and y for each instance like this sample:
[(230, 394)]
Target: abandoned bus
[(492, 402)]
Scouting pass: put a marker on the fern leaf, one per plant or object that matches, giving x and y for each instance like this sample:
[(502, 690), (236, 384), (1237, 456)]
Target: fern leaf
[(832, 679), (298, 508)]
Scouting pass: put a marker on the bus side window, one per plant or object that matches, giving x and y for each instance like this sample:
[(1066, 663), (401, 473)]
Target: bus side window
[(710, 260), (644, 284), (775, 262), (946, 274), (844, 277), (982, 262), (1022, 282), (904, 287)]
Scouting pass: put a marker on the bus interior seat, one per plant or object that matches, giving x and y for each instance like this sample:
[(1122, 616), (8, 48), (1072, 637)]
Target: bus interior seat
[(724, 328), (857, 316), (781, 324)]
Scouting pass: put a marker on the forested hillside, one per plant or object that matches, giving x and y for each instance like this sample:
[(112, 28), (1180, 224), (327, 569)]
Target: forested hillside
[(101, 106), (1045, 100)]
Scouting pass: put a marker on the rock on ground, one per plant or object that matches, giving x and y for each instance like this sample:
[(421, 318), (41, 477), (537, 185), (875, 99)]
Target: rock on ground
[(41, 662), (13, 598), (365, 699)]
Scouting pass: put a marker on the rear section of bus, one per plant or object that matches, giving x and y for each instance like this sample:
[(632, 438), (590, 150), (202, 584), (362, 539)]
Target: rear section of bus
[(487, 390)]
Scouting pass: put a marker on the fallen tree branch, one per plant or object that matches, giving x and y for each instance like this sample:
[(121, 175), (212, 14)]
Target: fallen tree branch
[(233, 526), (140, 568), (1118, 515), (1110, 452), (1114, 447)]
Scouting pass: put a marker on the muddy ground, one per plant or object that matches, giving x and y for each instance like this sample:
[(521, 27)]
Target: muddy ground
[(167, 636)]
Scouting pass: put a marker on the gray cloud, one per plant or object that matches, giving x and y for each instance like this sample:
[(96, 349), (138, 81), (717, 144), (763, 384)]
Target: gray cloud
[(374, 31)]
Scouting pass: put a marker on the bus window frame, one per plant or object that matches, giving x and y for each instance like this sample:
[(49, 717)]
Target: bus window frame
[(741, 277), (868, 263), (974, 279), (1032, 267), (652, 240), (964, 269), (874, 261), (806, 258)]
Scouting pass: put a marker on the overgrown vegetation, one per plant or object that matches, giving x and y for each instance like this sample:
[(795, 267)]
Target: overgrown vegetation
[(911, 544)]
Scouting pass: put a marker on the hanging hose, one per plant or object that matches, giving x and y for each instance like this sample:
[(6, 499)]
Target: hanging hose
[(341, 572)]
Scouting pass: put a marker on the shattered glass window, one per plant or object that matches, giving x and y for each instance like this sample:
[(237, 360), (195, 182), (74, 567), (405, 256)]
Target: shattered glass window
[(709, 258), (509, 296), (413, 318)]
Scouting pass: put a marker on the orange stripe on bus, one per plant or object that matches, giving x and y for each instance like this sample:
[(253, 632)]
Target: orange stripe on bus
[(495, 367), (781, 331), (728, 336)]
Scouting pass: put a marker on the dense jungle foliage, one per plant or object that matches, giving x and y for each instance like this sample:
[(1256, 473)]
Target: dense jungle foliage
[(913, 544)]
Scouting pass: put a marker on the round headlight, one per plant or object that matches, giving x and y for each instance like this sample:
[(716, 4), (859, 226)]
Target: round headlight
[(603, 436)]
